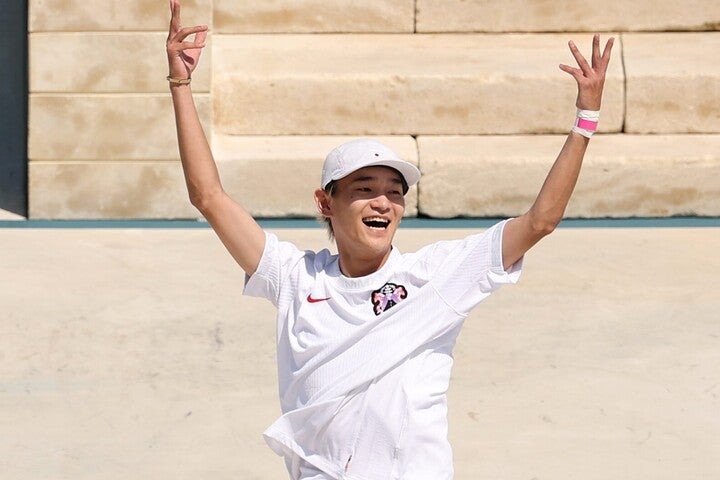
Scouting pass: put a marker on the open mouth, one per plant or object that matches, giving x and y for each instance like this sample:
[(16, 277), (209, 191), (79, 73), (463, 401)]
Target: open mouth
[(376, 223)]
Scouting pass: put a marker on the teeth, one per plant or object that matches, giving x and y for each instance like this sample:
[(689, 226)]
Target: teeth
[(377, 223)]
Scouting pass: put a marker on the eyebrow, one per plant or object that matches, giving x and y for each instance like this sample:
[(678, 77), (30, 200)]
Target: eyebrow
[(367, 178)]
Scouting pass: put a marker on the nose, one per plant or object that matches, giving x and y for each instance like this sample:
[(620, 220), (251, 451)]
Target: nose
[(380, 203)]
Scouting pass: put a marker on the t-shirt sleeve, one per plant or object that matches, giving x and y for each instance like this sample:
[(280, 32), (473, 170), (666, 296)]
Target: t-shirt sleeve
[(468, 270), (276, 262)]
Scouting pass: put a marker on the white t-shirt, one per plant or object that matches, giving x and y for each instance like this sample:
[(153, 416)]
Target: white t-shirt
[(364, 363)]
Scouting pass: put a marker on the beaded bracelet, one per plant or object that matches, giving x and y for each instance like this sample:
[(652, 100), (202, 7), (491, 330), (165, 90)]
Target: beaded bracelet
[(179, 81)]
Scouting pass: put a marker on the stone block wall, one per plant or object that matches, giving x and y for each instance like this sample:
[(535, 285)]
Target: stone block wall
[(468, 90)]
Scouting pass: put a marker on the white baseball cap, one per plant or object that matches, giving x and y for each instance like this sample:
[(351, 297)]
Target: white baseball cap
[(356, 154)]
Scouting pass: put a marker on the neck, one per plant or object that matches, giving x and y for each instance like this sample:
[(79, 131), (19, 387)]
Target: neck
[(358, 265)]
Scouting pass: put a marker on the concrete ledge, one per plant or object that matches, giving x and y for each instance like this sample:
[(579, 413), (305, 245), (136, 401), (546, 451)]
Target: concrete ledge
[(111, 15), (108, 190), (565, 16), (105, 63), (671, 85), (339, 16), (106, 127), (623, 175), (477, 176), (400, 84)]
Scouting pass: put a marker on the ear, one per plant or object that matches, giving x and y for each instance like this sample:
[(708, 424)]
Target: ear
[(322, 201)]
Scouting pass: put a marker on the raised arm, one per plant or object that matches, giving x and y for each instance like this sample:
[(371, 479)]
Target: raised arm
[(523, 232), (238, 231)]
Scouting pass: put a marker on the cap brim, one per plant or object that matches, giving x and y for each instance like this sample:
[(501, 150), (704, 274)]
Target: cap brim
[(410, 172)]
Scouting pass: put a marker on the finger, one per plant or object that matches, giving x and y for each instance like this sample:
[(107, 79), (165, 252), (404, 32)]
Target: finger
[(595, 50), (604, 61), (191, 45), (200, 37), (175, 15), (180, 49), (183, 33), (575, 72), (608, 49), (582, 63)]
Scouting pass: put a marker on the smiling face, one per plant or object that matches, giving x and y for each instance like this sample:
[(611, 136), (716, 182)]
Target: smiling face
[(365, 210)]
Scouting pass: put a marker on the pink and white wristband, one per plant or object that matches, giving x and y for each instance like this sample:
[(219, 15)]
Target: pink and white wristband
[(586, 122)]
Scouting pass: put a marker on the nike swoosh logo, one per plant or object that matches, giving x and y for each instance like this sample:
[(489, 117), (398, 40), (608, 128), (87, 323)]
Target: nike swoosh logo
[(315, 300)]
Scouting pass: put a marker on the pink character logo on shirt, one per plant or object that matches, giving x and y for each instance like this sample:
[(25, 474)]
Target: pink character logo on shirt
[(387, 296)]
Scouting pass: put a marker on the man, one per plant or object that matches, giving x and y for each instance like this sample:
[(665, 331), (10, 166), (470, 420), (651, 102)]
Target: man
[(365, 337)]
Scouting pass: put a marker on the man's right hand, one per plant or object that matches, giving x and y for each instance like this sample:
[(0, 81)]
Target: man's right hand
[(183, 55)]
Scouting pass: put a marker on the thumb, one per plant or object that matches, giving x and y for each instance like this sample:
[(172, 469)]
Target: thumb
[(200, 37)]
